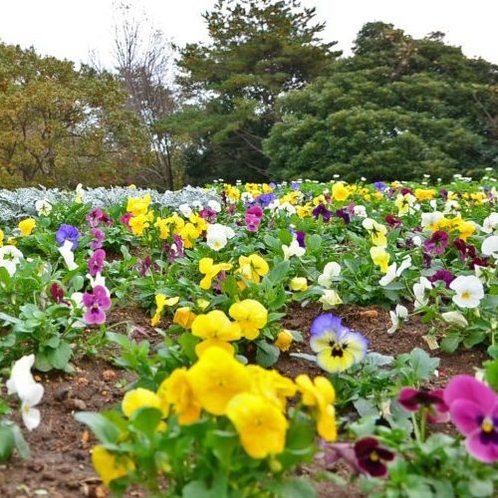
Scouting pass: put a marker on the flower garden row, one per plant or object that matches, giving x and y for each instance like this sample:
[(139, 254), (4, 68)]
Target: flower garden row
[(210, 414)]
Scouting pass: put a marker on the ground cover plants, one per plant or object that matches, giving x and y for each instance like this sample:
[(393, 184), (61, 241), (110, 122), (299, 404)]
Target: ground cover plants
[(237, 334)]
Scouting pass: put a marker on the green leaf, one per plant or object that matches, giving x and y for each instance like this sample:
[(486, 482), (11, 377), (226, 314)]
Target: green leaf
[(266, 354), (313, 242), (423, 365), (7, 443), (278, 273), (480, 488), (146, 420), (450, 343), (293, 488), (60, 356), (491, 374), (105, 430)]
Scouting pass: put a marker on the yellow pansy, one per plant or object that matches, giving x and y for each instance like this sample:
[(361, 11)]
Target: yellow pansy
[(284, 340), (140, 222), (321, 394), (465, 228), (26, 226), (216, 378), (215, 324), (253, 267), (184, 317), (211, 270), (2, 236), (298, 284), (139, 398), (110, 466), (425, 194), (251, 315), (163, 225), (271, 385), (380, 257), (138, 205), (260, 424), (175, 391), (339, 192), (161, 302)]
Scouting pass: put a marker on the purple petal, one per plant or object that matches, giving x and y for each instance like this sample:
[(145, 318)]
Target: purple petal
[(94, 316), (328, 322)]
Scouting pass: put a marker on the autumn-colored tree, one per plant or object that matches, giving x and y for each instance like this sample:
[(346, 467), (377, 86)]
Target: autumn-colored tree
[(60, 126)]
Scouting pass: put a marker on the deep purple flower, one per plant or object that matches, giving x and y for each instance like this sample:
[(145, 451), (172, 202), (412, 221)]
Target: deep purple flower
[(371, 457), (67, 232), (438, 242), (56, 292), (321, 210), (177, 249), (431, 402), (343, 214), (406, 190), (392, 221), (442, 275), (474, 410), (96, 303), (300, 237), (96, 262), (98, 238), (144, 265), (465, 250)]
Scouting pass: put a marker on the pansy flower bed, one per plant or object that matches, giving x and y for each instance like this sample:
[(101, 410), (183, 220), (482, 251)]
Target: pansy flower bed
[(295, 339)]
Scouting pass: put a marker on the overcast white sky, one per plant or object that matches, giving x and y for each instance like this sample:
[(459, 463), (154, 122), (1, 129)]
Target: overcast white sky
[(71, 28)]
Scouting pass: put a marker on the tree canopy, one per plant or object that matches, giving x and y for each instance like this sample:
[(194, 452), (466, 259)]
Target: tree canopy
[(397, 108), (257, 51), (59, 126)]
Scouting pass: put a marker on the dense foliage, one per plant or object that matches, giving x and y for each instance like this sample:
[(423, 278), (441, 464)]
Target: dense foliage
[(397, 108), (55, 121)]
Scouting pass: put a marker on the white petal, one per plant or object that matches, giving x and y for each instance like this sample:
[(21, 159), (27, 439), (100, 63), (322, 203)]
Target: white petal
[(31, 417)]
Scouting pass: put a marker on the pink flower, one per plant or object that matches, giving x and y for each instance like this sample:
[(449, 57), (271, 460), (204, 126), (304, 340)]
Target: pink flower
[(96, 303), (474, 410), (432, 402)]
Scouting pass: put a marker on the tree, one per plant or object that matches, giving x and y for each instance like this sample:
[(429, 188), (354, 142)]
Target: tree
[(396, 109), (144, 66), (257, 51), (59, 126)]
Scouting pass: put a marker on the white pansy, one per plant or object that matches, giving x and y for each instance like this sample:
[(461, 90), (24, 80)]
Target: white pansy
[(214, 205), (490, 246), (419, 291), (185, 210), (30, 392), (329, 299), (10, 257), (217, 236), (490, 223), (360, 211), (43, 207), (330, 271), (398, 316), (294, 249), (428, 219), (286, 207), (394, 272), (455, 318), (468, 291), (66, 251), (416, 240)]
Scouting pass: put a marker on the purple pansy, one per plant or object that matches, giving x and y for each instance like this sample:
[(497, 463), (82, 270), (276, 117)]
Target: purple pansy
[(474, 410), (97, 303), (431, 402), (371, 457), (438, 243), (96, 262), (67, 232)]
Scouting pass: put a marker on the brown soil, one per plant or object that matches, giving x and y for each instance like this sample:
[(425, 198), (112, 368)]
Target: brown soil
[(59, 465)]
